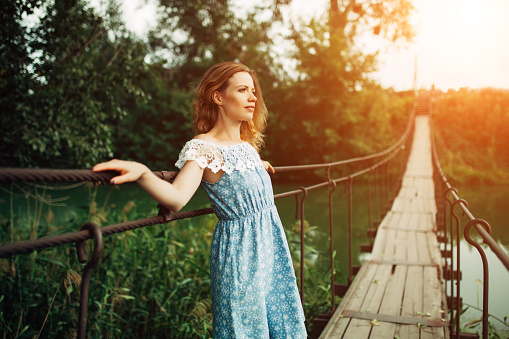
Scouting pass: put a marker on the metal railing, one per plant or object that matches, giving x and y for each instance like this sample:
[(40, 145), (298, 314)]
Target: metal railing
[(384, 173), (449, 202)]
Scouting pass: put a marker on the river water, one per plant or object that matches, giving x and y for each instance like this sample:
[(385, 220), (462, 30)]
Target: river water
[(488, 203)]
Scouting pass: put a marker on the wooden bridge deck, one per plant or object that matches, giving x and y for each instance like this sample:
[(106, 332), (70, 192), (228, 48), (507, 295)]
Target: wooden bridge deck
[(399, 293)]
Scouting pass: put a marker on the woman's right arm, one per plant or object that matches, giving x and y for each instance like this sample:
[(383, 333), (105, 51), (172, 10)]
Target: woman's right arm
[(174, 195)]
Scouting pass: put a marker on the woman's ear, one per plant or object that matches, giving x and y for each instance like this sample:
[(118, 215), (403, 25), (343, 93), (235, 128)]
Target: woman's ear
[(216, 96)]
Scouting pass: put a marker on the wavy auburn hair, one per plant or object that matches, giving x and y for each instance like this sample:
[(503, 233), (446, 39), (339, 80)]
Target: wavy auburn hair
[(206, 111)]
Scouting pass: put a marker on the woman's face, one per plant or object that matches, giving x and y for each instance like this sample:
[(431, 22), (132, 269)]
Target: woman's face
[(238, 99)]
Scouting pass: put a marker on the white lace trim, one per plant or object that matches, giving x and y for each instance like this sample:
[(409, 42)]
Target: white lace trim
[(218, 157)]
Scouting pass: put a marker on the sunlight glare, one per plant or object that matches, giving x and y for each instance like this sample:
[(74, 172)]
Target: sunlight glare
[(468, 19)]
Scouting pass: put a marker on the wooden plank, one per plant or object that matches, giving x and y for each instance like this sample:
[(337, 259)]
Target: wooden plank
[(425, 222), (390, 244), (401, 249), (381, 237), (432, 294), (380, 317), (391, 304), (422, 247), (376, 289), (412, 300), (434, 250), (352, 299), (412, 254), (404, 221)]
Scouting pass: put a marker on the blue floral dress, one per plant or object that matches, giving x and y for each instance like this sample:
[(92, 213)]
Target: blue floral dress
[(253, 285)]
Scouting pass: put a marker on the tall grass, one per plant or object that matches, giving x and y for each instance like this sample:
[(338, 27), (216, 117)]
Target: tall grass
[(150, 283)]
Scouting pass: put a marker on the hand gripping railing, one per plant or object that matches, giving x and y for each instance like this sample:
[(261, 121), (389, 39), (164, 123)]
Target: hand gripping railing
[(384, 195), (482, 227)]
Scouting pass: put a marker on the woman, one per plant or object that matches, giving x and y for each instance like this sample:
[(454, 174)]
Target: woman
[(253, 285)]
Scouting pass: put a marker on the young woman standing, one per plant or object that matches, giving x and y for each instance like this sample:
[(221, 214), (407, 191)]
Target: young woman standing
[(253, 285)]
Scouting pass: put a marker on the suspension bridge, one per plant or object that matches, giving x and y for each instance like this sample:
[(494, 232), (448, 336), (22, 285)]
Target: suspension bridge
[(401, 291)]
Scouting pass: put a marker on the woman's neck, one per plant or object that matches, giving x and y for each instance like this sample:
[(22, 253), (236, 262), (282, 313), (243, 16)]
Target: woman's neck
[(226, 131)]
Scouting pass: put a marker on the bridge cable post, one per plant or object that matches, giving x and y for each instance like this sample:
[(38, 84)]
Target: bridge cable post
[(331, 232), (350, 242), (377, 196), (457, 276), (486, 276), (385, 169), (302, 219), (95, 232), (373, 224), (449, 268)]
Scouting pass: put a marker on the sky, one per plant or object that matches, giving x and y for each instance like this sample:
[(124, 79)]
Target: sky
[(458, 43)]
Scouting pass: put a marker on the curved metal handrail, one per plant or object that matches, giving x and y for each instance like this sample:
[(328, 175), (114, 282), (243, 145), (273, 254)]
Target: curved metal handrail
[(482, 228)]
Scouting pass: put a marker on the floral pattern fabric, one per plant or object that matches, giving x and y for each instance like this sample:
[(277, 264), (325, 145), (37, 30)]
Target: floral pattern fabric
[(253, 285)]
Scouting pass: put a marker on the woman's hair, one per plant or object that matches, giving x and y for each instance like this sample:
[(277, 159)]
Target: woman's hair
[(206, 111)]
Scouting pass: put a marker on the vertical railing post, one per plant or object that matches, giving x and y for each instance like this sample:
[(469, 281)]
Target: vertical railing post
[(450, 242), (486, 276), (377, 196), (302, 219), (350, 242), (456, 275), (370, 212), (386, 188), (331, 243), (87, 272)]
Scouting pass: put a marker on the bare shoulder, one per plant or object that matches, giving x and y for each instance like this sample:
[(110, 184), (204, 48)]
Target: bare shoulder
[(205, 137)]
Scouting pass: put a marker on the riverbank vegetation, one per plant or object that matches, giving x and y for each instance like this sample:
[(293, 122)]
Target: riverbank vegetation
[(471, 134)]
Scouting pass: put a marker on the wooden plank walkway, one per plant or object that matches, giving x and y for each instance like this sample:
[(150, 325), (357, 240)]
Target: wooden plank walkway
[(399, 293)]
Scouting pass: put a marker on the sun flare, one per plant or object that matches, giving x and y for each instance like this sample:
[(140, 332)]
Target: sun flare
[(465, 21)]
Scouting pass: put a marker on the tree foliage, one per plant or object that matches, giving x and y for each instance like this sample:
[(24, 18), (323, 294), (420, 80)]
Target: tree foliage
[(193, 35), (66, 74), (155, 129), (471, 132), (76, 89), (333, 98)]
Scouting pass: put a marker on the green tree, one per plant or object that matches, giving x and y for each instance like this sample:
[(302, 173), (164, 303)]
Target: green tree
[(332, 96), (193, 35), (66, 74), (155, 130)]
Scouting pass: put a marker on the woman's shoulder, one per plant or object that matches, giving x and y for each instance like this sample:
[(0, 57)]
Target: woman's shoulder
[(217, 155), (205, 137), (210, 139)]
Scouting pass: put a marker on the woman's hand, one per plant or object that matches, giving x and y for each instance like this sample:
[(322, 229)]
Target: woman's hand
[(173, 196), (268, 167), (129, 170)]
